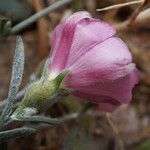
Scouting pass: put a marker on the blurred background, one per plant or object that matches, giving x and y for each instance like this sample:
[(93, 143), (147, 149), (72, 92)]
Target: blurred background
[(92, 131)]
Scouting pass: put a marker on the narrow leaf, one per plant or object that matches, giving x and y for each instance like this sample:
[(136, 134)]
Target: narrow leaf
[(16, 133), (39, 119), (17, 71), (47, 120)]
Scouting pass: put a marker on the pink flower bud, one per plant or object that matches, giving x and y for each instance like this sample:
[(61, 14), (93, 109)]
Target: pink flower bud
[(99, 63)]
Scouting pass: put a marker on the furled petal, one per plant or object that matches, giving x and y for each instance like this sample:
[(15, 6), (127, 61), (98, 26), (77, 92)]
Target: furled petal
[(106, 61), (89, 32), (61, 40), (77, 35)]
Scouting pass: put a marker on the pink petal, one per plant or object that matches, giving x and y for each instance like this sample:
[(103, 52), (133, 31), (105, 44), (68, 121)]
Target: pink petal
[(66, 40), (106, 61), (61, 40), (89, 32), (111, 92), (105, 103)]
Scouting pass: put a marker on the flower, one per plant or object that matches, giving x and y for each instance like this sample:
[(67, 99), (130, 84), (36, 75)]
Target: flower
[(99, 63)]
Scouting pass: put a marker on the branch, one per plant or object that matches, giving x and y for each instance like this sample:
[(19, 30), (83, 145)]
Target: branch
[(142, 6), (121, 5), (142, 19), (39, 15)]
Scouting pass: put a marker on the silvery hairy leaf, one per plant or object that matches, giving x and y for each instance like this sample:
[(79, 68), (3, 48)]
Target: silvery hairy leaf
[(17, 71)]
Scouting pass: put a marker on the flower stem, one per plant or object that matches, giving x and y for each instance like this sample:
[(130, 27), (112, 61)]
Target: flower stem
[(115, 131)]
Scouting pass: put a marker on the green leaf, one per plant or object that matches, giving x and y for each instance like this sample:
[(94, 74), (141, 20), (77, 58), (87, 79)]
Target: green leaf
[(39, 119), (15, 133), (17, 71), (47, 120)]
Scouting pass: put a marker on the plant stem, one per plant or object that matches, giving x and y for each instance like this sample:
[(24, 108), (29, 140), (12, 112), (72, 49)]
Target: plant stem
[(39, 15), (84, 109), (115, 131), (70, 117)]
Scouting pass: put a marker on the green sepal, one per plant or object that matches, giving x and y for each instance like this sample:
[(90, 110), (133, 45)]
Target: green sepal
[(46, 69), (58, 80), (38, 93)]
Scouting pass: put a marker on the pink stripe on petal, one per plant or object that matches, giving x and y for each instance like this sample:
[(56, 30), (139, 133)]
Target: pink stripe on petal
[(61, 41)]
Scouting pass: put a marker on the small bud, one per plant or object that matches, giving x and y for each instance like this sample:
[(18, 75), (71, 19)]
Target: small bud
[(38, 93)]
